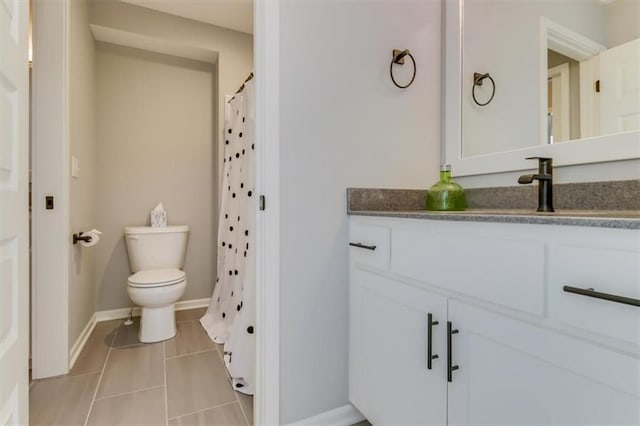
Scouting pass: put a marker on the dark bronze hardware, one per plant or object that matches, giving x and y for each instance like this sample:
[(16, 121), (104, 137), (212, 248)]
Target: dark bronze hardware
[(398, 58), (477, 81), (450, 367), (363, 246), (79, 237), (430, 355), (545, 183), (604, 296)]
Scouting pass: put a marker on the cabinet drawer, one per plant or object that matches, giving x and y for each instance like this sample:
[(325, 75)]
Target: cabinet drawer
[(606, 270), (474, 261), (369, 245)]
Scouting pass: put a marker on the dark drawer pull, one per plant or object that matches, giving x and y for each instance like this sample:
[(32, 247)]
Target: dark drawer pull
[(363, 246), (430, 355), (450, 367), (604, 296)]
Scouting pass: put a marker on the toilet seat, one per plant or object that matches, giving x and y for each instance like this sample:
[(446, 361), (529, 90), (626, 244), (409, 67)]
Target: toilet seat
[(156, 278)]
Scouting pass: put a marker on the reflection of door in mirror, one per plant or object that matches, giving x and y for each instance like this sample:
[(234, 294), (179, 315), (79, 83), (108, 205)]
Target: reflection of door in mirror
[(620, 88), (562, 101)]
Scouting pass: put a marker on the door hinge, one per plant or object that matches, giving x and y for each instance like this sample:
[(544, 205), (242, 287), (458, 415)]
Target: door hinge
[(262, 202), (597, 86)]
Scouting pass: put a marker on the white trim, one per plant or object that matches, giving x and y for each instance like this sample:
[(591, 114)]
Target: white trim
[(342, 416), (184, 305), (267, 66), (567, 42), (600, 149), (77, 347), (113, 314), (50, 228)]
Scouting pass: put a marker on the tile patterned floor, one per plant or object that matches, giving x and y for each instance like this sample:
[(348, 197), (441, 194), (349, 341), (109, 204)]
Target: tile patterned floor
[(118, 381)]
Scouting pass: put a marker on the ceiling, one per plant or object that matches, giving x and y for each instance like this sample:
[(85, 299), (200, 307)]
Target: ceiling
[(233, 14)]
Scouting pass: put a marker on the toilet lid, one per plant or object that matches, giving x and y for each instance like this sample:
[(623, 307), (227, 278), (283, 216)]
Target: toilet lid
[(156, 278)]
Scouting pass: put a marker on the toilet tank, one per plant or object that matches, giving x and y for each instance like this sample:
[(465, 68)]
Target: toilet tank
[(156, 248)]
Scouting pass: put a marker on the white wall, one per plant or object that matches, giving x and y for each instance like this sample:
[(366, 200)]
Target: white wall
[(343, 124), (503, 38), (82, 144), (155, 132)]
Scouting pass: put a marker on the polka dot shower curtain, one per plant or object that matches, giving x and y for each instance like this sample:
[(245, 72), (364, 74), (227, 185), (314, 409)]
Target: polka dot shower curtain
[(231, 316)]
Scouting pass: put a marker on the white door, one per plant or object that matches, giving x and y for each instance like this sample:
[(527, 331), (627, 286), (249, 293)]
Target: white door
[(14, 214), (620, 88), (390, 379), (510, 372), (558, 95)]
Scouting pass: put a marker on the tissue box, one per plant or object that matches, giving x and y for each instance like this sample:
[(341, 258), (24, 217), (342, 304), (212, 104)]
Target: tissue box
[(158, 219)]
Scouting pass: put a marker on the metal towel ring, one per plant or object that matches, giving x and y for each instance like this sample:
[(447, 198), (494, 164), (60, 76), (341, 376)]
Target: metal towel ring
[(477, 81), (398, 58)]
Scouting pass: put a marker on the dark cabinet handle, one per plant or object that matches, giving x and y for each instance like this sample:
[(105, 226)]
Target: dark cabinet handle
[(604, 296), (450, 367), (430, 355), (363, 246)]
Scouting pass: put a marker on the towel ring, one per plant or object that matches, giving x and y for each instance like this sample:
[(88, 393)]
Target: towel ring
[(477, 81), (398, 58)]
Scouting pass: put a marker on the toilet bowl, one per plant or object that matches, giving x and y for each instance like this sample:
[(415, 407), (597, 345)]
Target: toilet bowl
[(156, 257), (157, 291)]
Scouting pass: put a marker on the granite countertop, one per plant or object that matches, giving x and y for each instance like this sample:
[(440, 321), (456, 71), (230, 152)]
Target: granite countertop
[(624, 219), (601, 204)]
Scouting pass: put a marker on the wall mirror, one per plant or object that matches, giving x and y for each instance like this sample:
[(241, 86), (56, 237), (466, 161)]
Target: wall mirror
[(566, 75)]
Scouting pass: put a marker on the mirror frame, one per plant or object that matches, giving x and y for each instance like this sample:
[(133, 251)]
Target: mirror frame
[(615, 147)]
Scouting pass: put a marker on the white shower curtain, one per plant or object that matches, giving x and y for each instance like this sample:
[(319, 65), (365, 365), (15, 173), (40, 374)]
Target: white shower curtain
[(231, 316)]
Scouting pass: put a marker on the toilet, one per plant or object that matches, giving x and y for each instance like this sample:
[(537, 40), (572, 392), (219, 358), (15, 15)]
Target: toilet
[(156, 258)]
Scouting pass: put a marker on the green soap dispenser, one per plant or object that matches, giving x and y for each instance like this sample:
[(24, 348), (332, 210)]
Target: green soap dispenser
[(446, 195)]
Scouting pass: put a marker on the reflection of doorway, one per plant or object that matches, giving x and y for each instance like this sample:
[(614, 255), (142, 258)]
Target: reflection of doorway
[(558, 103)]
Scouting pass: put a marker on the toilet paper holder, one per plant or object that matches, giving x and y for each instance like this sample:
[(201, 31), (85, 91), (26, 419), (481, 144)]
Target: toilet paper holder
[(79, 237)]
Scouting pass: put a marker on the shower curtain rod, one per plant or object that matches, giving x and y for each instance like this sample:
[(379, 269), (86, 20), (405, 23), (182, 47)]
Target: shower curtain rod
[(241, 88)]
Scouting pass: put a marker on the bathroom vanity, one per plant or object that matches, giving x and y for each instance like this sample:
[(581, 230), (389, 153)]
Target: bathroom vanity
[(464, 318)]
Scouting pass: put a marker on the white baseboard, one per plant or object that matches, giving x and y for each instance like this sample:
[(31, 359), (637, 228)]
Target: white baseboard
[(77, 347), (124, 312), (346, 415)]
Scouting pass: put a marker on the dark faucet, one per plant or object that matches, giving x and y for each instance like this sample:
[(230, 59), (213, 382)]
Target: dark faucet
[(545, 185)]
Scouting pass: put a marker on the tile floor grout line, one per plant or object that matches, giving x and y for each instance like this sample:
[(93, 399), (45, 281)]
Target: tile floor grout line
[(166, 389), (104, 367), (128, 393), (192, 353), (205, 409), (230, 381), (246, 418)]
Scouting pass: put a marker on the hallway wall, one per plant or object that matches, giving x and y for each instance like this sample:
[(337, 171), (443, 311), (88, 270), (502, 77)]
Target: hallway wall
[(343, 123), (83, 145)]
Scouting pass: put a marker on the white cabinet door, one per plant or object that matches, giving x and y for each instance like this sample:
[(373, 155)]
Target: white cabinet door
[(511, 372), (390, 382)]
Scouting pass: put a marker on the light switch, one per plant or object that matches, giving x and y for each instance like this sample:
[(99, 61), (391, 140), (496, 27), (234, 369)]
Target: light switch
[(75, 167)]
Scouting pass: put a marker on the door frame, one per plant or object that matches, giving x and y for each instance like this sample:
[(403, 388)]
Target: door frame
[(50, 177), (49, 156), (266, 44)]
